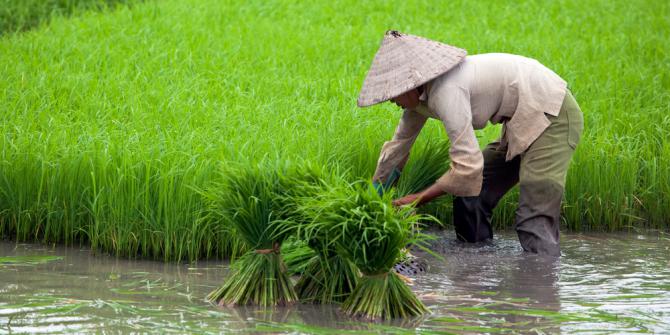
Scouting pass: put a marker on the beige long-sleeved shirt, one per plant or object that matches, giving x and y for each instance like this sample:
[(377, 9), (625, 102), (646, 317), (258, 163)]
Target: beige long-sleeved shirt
[(497, 88)]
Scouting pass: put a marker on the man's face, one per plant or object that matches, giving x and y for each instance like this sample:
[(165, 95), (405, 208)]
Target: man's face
[(407, 100)]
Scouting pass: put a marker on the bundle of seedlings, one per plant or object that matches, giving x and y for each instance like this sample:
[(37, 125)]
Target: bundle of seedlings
[(367, 230), (325, 276), (298, 181), (254, 213), (328, 277)]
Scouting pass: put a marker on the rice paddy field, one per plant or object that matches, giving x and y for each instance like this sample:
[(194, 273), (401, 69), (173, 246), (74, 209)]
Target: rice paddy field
[(165, 163), (117, 116), (606, 283)]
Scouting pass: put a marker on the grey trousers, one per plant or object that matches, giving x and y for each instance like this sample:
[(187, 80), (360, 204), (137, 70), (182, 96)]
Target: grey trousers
[(540, 172)]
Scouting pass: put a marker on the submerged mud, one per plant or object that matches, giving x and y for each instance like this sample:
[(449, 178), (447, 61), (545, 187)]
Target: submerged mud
[(603, 283)]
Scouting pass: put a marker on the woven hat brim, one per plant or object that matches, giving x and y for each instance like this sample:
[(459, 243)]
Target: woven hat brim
[(404, 62)]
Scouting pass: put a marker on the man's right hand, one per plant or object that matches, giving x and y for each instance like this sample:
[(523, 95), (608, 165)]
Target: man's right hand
[(390, 181)]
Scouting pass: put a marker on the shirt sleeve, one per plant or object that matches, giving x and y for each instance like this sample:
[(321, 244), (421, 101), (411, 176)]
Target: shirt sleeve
[(395, 152), (452, 106)]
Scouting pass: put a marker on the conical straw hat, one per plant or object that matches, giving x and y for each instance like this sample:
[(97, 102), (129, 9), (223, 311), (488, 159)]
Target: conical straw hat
[(404, 62)]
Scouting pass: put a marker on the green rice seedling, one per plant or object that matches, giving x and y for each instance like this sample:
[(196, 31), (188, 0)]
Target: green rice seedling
[(297, 255), (426, 164), (215, 218), (28, 260), (331, 278), (367, 230), (259, 277)]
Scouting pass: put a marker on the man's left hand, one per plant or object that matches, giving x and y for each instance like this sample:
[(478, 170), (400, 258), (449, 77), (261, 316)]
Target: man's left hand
[(420, 198), (408, 199)]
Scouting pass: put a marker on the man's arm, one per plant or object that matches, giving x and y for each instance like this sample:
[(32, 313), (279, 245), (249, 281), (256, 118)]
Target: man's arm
[(394, 153), (464, 177)]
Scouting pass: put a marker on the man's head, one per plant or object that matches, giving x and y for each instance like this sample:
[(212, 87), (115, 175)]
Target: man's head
[(409, 99), (402, 62)]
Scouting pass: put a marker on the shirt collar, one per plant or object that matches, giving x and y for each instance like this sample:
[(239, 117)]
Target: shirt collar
[(424, 95)]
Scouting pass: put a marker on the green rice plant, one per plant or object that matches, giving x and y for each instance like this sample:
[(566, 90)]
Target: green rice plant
[(111, 121), (367, 230), (28, 260), (297, 256), (426, 164), (18, 15), (259, 277), (215, 218)]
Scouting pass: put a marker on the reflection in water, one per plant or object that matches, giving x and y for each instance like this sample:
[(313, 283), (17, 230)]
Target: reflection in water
[(604, 283), (476, 283), (533, 280)]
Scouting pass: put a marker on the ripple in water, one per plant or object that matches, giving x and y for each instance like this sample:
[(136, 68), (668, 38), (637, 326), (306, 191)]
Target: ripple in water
[(603, 283)]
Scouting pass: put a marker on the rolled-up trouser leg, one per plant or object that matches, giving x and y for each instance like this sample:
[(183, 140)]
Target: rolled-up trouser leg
[(472, 215), (542, 175), (470, 220), (537, 219)]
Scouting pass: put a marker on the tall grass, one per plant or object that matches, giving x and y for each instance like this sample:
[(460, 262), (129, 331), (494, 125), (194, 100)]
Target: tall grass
[(112, 122)]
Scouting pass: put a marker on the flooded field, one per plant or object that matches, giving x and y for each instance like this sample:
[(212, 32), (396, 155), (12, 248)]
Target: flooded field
[(604, 283)]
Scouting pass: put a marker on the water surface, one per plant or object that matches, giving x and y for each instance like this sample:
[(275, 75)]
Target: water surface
[(603, 284)]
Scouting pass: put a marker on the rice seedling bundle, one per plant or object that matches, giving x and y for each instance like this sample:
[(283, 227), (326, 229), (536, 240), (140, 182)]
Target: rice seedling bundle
[(368, 231), (325, 277), (259, 277), (328, 277)]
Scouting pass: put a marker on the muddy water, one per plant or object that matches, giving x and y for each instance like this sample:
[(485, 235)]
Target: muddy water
[(603, 284)]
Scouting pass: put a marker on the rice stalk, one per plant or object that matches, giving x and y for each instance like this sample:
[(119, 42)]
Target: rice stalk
[(259, 277)]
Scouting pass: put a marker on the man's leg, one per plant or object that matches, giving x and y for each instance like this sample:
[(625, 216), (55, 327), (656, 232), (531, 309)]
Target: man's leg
[(542, 175), (472, 215)]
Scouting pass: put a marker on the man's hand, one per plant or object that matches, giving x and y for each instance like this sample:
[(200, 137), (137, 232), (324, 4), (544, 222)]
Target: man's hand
[(406, 200), (420, 198)]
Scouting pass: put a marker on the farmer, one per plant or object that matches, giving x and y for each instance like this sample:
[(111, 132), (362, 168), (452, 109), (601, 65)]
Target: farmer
[(541, 126)]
